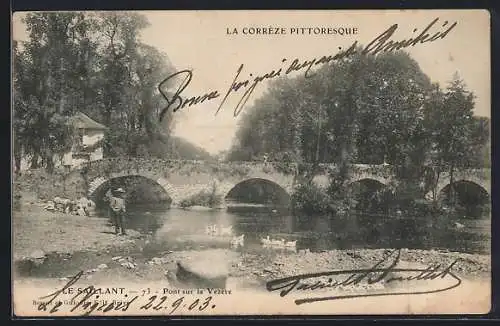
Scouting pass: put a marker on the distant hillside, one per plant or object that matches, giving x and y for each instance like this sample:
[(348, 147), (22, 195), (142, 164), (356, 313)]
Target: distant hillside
[(179, 148)]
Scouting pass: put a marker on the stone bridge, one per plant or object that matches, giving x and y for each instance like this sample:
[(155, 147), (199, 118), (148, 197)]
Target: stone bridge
[(181, 179), (475, 177)]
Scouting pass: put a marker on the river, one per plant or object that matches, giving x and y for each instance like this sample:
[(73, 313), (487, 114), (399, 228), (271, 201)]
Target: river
[(181, 228)]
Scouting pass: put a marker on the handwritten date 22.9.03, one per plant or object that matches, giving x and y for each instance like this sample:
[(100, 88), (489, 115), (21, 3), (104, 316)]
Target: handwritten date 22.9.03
[(156, 303)]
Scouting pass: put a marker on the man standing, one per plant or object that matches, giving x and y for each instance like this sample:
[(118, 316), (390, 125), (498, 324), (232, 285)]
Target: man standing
[(117, 209)]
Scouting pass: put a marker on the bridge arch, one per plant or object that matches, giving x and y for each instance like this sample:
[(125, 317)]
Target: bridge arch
[(258, 191), (367, 184), (99, 186), (468, 192), (472, 199), (369, 178), (471, 181), (371, 195)]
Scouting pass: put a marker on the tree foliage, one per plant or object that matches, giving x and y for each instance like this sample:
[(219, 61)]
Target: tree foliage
[(94, 63), (365, 109), (458, 139)]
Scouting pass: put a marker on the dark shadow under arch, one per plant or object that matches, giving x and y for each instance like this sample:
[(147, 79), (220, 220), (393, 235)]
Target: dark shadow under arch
[(367, 189), (140, 190), (366, 184), (372, 199), (471, 198), (258, 191), (371, 194)]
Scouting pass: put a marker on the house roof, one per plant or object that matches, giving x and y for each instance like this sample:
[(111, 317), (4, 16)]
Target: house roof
[(82, 121)]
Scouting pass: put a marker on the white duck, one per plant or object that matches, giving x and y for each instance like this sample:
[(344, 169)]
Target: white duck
[(278, 243), (265, 241), (238, 241)]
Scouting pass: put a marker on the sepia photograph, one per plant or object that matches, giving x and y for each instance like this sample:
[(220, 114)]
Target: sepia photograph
[(185, 163)]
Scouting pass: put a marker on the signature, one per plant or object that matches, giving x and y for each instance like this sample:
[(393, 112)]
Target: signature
[(373, 275), (85, 300), (382, 43), (88, 300)]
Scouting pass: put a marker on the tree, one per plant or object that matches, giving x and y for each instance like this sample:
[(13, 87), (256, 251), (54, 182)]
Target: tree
[(19, 125), (129, 73), (480, 151), (359, 109), (45, 73), (96, 64), (450, 121)]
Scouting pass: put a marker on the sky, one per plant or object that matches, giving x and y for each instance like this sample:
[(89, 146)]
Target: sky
[(204, 42)]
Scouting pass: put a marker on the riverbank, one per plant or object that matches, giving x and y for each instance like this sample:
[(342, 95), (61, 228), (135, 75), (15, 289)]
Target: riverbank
[(37, 232), (247, 270)]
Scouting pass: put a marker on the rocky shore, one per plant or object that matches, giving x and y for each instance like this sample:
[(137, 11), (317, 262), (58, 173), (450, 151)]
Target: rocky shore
[(37, 232)]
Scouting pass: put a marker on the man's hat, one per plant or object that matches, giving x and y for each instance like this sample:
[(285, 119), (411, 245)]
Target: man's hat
[(120, 190)]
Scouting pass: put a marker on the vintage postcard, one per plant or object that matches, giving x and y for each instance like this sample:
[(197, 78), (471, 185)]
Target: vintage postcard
[(183, 163)]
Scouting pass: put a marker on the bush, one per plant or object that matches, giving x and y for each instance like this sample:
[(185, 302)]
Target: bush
[(311, 199), (203, 198)]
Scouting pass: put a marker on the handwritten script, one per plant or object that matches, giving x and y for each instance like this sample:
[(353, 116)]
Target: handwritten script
[(371, 276), (173, 87), (88, 300)]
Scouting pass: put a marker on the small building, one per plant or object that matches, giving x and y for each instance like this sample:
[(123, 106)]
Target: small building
[(87, 146)]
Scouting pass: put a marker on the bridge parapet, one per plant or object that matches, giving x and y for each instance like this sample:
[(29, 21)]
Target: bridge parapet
[(484, 174), (117, 164)]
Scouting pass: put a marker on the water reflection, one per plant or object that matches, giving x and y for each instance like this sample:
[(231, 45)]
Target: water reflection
[(187, 229)]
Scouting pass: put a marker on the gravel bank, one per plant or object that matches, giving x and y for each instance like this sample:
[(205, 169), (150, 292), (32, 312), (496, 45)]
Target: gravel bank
[(37, 232), (266, 268)]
